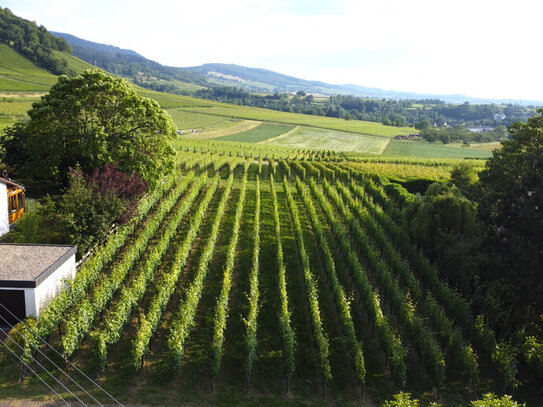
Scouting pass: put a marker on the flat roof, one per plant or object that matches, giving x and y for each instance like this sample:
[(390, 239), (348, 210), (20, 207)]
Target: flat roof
[(28, 265)]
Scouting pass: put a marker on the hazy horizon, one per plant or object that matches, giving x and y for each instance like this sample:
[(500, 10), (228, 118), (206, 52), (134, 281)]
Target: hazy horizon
[(480, 49)]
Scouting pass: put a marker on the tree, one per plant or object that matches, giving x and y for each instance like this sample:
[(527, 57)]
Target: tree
[(91, 120), (512, 205)]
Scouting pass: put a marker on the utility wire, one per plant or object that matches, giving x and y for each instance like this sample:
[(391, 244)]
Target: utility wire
[(38, 376), (54, 364), (62, 356), (46, 371)]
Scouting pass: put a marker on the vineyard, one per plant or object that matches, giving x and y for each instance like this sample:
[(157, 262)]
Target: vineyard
[(280, 271)]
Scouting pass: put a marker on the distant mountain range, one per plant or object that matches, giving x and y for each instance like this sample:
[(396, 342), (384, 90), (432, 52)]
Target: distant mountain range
[(152, 74)]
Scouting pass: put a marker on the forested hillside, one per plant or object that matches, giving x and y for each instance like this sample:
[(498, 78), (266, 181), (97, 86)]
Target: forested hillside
[(128, 63), (35, 43)]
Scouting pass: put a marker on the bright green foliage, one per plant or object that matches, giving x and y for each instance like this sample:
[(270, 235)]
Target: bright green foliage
[(311, 289), (221, 312), (184, 321), (91, 270), (287, 333), (343, 306), (91, 120), (254, 293), (167, 283), (491, 400), (402, 400), (131, 294), (79, 323)]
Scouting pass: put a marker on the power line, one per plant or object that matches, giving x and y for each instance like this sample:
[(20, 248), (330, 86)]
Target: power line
[(63, 357), (54, 364), (46, 371), (32, 370)]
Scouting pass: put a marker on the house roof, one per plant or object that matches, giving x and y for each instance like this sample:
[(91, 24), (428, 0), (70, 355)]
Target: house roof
[(28, 265), (12, 184)]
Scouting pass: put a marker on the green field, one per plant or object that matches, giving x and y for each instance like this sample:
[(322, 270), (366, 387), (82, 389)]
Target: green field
[(432, 150), (265, 131), (313, 138), (332, 123), (189, 120)]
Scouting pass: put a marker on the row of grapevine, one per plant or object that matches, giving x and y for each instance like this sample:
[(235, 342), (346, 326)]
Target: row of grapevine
[(298, 169), (401, 304), (287, 333), (183, 321), (500, 354), (451, 337), (132, 293), (310, 169), (390, 341), (311, 288), (254, 293), (79, 322), (340, 298), (221, 312), (167, 284), (91, 270), (324, 170)]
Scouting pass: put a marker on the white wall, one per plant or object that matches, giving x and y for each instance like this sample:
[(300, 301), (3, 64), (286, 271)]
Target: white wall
[(4, 216), (52, 286)]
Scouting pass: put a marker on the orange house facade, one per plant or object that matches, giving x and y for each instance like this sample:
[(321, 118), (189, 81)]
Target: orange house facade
[(12, 204)]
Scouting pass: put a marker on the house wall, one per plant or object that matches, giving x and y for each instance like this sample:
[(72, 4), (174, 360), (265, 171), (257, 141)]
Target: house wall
[(4, 215), (52, 286), (38, 298)]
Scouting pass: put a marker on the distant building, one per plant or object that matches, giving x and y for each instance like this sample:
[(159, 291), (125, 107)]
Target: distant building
[(31, 276), (498, 116)]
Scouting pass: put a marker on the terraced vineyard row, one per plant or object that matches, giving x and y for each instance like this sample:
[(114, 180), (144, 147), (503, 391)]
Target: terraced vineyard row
[(223, 280)]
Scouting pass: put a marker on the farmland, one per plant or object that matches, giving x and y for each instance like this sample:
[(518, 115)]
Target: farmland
[(307, 137), (430, 150), (238, 274), (331, 123), (261, 133)]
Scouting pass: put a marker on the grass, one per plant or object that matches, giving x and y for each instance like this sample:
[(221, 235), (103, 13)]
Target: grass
[(74, 63), (432, 150), (189, 120), (332, 123), (313, 138), (265, 131), (19, 74)]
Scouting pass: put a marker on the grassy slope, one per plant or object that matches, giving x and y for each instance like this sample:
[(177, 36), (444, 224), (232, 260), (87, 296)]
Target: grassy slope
[(313, 138), (265, 131), (431, 150), (331, 123)]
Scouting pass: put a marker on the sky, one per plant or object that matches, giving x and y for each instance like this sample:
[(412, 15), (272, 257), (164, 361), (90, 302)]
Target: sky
[(479, 48)]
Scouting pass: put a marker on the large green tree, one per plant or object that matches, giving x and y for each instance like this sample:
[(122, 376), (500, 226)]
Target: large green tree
[(91, 120), (512, 204)]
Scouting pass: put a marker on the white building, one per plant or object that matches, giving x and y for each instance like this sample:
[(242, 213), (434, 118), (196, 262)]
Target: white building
[(11, 204), (31, 276)]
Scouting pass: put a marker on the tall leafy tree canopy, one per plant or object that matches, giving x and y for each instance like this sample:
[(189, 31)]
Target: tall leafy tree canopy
[(88, 121), (512, 203)]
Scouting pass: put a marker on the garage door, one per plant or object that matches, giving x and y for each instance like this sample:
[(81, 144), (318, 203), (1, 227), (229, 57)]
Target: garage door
[(12, 308)]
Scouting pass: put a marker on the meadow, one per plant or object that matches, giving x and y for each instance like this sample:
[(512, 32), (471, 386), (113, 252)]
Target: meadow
[(261, 133), (314, 138), (433, 150)]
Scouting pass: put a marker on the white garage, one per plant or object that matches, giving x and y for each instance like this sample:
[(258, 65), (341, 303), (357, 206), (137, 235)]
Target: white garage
[(31, 276)]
